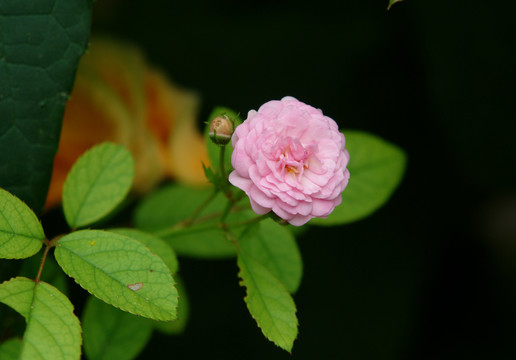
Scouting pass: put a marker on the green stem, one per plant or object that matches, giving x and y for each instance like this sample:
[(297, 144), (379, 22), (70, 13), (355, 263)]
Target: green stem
[(227, 209), (248, 221), (42, 263), (221, 163), (223, 176), (230, 237), (181, 229), (201, 207)]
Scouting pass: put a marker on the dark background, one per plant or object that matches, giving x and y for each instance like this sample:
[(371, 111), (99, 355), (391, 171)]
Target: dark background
[(431, 275)]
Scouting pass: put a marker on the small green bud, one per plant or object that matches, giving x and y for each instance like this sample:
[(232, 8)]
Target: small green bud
[(221, 129)]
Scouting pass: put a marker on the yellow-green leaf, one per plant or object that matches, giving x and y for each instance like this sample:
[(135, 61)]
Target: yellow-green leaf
[(53, 331), (120, 271), (269, 302), (97, 183), (274, 246), (21, 234), (155, 245), (183, 311)]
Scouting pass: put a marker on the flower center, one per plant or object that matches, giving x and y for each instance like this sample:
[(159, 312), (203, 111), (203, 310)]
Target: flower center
[(292, 156)]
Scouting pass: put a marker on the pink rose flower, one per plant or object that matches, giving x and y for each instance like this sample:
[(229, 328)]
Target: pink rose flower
[(290, 158)]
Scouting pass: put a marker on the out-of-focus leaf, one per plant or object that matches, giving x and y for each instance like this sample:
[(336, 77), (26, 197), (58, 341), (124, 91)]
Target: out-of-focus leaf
[(110, 333), (274, 246), (168, 206), (269, 302), (11, 349), (183, 311), (97, 183), (207, 240), (376, 168), (120, 271), (21, 234), (41, 43), (173, 204), (53, 331)]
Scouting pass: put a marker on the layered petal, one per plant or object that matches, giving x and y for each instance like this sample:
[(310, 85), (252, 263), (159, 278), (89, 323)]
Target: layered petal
[(290, 159)]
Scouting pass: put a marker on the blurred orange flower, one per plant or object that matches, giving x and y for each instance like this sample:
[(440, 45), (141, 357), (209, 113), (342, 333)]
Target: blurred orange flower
[(118, 97)]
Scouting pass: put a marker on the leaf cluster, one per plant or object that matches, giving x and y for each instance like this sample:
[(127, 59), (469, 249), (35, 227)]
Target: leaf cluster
[(125, 268), (132, 273)]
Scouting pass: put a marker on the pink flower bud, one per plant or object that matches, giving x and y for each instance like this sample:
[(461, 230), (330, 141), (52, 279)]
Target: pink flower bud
[(221, 129)]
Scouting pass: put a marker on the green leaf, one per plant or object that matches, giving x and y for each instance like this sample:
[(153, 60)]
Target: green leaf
[(269, 302), (159, 212), (11, 349), (155, 245), (214, 149), (113, 334), (97, 183), (170, 205), (376, 167), (41, 43), (274, 246), (120, 271), (183, 311), (21, 234), (53, 332), (207, 240)]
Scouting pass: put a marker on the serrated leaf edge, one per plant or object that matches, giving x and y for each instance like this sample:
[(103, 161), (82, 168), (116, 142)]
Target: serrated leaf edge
[(174, 317), (246, 299)]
